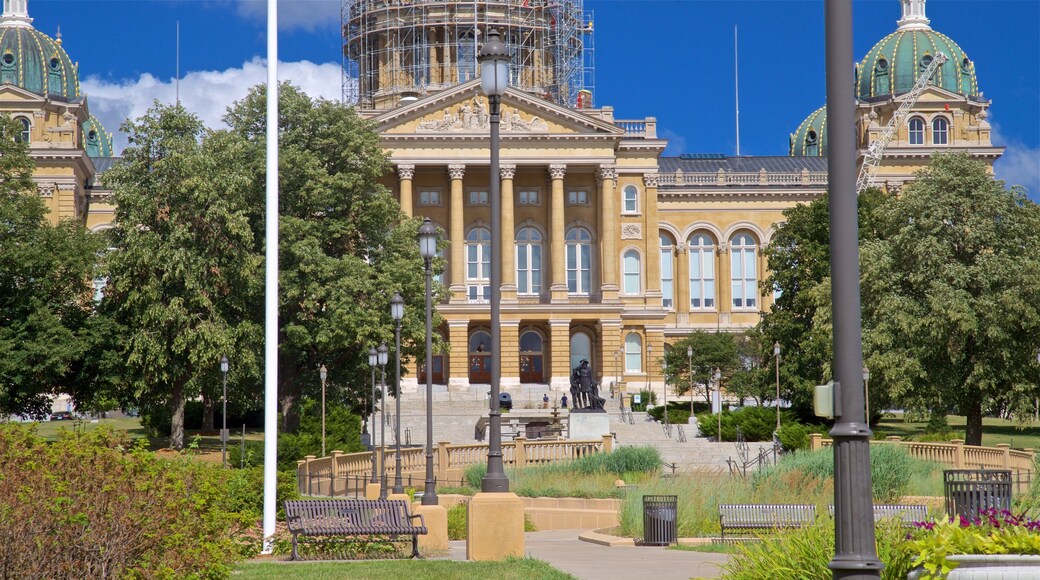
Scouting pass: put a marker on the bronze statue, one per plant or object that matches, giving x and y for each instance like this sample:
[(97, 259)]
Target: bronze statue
[(584, 390)]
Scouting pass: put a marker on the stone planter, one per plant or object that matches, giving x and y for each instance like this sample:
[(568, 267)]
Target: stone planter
[(990, 567)]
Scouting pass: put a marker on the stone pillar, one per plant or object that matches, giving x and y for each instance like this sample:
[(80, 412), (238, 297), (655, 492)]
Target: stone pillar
[(405, 173), (508, 239), (654, 336), (608, 232), (435, 68), (611, 368), (510, 354), (724, 283), (560, 357), (681, 283), (457, 235), (557, 246), (447, 79), (458, 356), (653, 243)]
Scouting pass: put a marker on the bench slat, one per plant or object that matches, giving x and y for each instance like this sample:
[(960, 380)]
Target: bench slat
[(352, 517)]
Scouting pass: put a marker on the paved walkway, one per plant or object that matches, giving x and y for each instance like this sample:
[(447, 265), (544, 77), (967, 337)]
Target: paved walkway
[(588, 561)]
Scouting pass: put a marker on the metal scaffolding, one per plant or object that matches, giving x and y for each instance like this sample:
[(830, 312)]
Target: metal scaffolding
[(397, 50)]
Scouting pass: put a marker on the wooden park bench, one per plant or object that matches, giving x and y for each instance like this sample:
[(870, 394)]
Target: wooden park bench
[(906, 514), (750, 517), (352, 517)]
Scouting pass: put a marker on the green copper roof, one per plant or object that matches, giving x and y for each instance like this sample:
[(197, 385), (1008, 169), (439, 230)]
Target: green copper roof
[(810, 140), (894, 64), (96, 141), (34, 61)]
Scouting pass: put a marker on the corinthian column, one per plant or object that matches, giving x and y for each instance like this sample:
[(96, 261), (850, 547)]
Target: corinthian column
[(456, 233), (607, 178), (405, 174), (559, 252), (508, 235), (653, 243)]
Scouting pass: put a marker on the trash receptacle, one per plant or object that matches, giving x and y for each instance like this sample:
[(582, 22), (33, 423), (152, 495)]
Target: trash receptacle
[(660, 520), (505, 401), (969, 491)]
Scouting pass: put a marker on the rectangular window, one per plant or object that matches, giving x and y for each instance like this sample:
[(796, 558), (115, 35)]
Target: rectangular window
[(578, 197), (431, 197), (479, 293), (632, 362), (667, 289), (527, 197), (478, 198)]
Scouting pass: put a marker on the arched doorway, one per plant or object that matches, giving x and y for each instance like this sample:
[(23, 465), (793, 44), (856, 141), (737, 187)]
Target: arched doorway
[(480, 357), (438, 369), (531, 368), (581, 349)]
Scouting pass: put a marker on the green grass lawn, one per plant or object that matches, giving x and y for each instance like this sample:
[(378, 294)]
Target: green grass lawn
[(994, 430), (49, 429), (514, 569)]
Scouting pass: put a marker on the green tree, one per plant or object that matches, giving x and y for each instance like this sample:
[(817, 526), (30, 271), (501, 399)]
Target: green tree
[(711, 350), (951, 292), (183, 267), (45, 286), (345, 246)]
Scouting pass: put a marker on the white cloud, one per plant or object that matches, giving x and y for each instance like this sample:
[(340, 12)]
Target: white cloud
[(1020, 164), (304, 14), (205, 93)]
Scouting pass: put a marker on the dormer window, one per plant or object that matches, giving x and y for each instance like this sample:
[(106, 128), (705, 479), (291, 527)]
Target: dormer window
[(881, 66), (810, 137), (55, 63), (8, 59), (966, 65), (925, 61)]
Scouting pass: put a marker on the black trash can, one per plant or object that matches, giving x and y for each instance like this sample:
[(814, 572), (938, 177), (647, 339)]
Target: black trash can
[(505, 401), (968, 491), (660, 520)]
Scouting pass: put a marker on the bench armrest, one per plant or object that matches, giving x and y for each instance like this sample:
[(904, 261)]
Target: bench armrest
[(422, 521)]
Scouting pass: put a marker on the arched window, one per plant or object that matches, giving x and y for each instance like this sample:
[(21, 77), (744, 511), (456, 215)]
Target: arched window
[(917, 131), (478, 264), (633, 353), (702, 272), (581, 348), (480, 341), (531, 341), (940, 131), (529, 261), (629, 199), (25, 135), (667, 271), (630, 264), (744, 271), (579, 261)]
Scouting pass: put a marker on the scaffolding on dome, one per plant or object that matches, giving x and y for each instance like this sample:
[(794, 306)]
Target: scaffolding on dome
[(398, 50)]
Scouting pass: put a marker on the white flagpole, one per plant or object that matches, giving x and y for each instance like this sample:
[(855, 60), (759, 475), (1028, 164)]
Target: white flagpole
[(271, 285)]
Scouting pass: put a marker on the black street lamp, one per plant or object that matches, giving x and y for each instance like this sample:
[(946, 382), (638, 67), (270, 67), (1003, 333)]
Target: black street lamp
[(397, 312), (373, 360), (717, 376), (689, 357), (664, 382), (323, 373), (224, 431), (776, 355), (649, 368), (866, 392), (382, 352), (494, 79), (428, 250)]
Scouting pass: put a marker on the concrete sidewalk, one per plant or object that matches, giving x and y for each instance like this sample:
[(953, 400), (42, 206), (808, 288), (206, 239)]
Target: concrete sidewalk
[(588, 561)]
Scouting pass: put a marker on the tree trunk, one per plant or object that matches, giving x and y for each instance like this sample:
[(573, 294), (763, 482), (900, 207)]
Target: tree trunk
[(973, 413), (207, 413), (177, 420), (288, 395)]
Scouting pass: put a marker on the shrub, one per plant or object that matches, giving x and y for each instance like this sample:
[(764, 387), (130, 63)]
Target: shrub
[(992, 532), (794, 436), (646, 397), (92, 505), (457, 522), (756, 423), (678, 413)]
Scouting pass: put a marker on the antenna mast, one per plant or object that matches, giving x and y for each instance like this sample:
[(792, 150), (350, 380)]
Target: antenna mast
[(736, 86)]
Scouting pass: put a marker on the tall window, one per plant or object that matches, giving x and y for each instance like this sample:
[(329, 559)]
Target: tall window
[(633, 353), (917, 131), (744, 272), (25, 134), (629, 199), (581, 348), (667, 271), (529, 261), (478, 264), (702, 272), (630, 264), (940, 131), (579, 261)]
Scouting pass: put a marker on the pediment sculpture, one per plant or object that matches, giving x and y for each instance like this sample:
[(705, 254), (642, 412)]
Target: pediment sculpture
[(473, 115)]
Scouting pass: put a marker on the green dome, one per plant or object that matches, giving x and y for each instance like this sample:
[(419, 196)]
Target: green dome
[(894, 64), (810, 140), (96, 141), (35, 62)]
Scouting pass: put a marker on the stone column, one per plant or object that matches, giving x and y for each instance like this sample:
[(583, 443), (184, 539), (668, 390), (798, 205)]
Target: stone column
[(724, 283), (446, 78), (510, 352), (655, 337), (458, 356), (560, 357), (608, 232), (558, 252), (457, 235), (610, 369), (508, 239), (653, 243), (435, 68), (405, 173), (681, 283)]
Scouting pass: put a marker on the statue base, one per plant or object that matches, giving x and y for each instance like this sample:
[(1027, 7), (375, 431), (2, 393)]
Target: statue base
[(585, 424)]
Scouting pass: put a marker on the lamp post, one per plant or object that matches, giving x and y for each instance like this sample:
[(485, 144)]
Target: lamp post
[(866, 392), (323, 373), (776, 355), (689, 357), (649, 368), (717, 375), (397, 312), (494, 79), (223, 431), (428, 249), (382, 352), (373, 360), (664, 389)]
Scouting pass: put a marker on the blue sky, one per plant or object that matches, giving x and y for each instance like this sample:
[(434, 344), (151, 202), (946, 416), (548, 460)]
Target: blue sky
[(672, 60)]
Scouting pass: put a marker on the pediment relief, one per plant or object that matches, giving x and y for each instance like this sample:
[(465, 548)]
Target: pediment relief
[(472, 115)]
